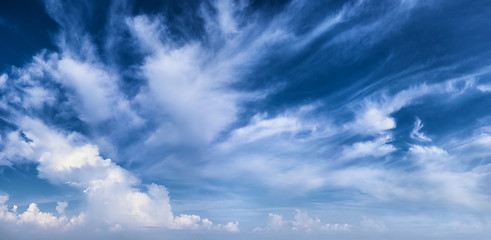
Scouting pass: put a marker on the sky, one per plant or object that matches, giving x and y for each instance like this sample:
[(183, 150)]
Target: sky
[(221, 119)]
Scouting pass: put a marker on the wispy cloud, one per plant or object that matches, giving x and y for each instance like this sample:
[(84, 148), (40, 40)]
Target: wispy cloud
[(296, 101), (416, 134)]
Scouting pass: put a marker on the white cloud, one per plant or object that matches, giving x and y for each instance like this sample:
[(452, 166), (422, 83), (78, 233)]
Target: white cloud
[(37, 218), (112, 192), (3, 80), (375, 148), (301, 222), (61, 206), (267, 169), (445, 173), (37, 96), (261, 127), (337, 227), (275, 222), (189, 95), (373, 114), (47, 220), (185, 221), (190, 82), (183, 85), (369, 224), (91, 87), (374, 120), (231, 226), (5, 215), (416, 134), (95, 88), (226, 21), (484, 88)]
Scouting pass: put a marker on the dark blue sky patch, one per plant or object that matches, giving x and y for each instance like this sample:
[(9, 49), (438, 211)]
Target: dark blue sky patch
[(26, 29)]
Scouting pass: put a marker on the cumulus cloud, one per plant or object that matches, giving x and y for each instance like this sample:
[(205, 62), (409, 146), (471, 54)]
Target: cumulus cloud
[(33, 216), (301, 222), (231, 226), (112, 192), (275, 222), (185, 221), (61, 206), (374, 120)]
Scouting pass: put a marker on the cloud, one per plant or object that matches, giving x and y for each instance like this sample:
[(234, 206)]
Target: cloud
[(3, 80), (112, 192), (301, 222), (374, 120), (231, 226), (376, 148), (261, 127), (60, 207), (369, 224), (484, 88), (416, 134), (209, 104), (95, 88), (185, 221), (191, 82), (279, 151), (275, 222), (373, 113), (33, 216), (47, 220)]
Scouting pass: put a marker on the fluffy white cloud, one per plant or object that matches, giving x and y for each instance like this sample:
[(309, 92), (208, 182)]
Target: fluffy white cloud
[(231, 226), (112, 192), (35, 217), (303, 222), (61, 206), (374, 120), (185, 221), (47, 220), (275, 222)]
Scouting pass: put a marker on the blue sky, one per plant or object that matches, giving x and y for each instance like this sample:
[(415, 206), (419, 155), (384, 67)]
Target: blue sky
[(245, 119)]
